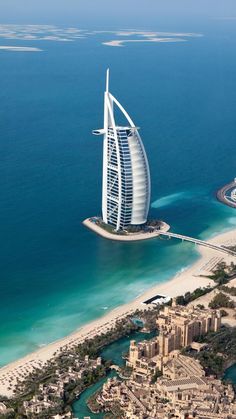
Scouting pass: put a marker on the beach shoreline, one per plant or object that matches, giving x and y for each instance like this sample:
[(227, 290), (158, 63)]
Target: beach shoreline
[(191, 278)]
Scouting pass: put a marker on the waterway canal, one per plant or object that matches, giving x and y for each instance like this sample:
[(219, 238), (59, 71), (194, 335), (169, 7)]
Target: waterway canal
[(113, 352)]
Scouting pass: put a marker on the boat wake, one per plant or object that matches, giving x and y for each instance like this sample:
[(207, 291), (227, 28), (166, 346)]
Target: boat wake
[(169, 199)]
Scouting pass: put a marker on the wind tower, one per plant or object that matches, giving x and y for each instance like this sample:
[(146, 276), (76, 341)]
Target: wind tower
[(126, 177)]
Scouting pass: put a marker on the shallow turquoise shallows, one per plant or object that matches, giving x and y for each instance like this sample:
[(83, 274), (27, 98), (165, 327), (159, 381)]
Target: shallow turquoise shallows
[(55, 274)]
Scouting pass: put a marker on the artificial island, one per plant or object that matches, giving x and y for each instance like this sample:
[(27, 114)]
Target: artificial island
[(227, 194)]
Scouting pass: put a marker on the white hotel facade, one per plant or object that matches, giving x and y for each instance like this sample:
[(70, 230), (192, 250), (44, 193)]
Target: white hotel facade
[(126, 176)]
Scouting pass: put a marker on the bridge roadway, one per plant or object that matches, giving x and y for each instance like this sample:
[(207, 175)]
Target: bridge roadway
[(199, 242)]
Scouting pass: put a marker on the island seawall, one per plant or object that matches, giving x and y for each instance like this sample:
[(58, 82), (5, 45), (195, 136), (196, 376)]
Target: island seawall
[(142, 235), (221, 194)]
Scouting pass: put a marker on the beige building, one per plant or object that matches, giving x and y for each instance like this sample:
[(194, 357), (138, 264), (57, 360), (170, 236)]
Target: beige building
[(180, 365), (178, 327), (182, 392), (186, 323)]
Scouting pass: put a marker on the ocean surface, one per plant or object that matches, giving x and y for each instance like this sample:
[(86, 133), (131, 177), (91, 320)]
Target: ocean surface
[(54, 274)]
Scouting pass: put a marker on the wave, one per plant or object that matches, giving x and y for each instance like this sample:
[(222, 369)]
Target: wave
[(183, 269)]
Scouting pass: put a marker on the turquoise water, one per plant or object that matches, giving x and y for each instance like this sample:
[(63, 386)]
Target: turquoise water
[(80, 408), (112, 352), (230, 374), (55, 274)]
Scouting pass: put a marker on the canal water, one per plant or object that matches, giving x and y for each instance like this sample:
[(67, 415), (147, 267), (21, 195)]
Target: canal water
[(230, 374), (112, 352)]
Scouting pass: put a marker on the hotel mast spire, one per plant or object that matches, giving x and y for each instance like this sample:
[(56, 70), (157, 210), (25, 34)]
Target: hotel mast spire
[(107, 80)]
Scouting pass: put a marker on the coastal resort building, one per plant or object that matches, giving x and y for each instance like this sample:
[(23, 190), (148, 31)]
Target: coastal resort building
[(178, 327), (164, 383), (126, 185), (233, 195), (126, 177)]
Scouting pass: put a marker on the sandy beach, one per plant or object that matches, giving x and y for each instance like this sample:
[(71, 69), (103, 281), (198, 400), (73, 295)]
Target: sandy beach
[(188, 280)]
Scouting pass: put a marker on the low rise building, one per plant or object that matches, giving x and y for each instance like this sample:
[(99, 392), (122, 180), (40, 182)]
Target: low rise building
[(179, 325)]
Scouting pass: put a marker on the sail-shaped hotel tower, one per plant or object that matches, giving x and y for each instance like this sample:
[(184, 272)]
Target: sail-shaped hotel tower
[(126, 176)]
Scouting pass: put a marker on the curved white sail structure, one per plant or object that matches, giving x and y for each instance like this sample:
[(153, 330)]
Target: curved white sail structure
[(126, 176)]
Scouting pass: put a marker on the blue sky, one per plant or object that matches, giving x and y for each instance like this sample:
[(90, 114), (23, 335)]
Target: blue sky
[(109, 12)]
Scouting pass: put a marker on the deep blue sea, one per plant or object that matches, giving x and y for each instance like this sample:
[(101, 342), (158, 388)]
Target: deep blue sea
[(55, 275)]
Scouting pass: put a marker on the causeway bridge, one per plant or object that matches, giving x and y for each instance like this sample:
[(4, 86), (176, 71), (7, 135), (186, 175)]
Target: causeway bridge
[(199, 242)]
